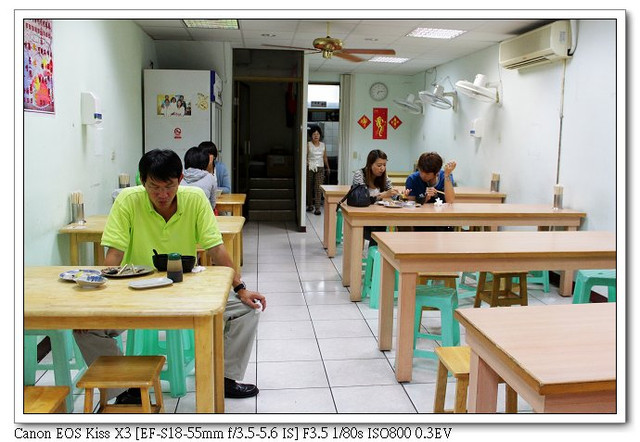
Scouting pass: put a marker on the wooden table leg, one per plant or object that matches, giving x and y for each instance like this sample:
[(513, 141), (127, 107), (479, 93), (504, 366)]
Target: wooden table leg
[(325, 232), (566, 277), (405, 326), (385, 315), (354, 261), (483, 385), (73, 255), (218, 362), (98, 254), (237, 211), (204, 342), (346, 263)]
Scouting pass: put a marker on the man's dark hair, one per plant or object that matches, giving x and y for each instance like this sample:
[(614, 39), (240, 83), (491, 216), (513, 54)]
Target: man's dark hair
[(430, 162), (160, 164), (196, 158), (210, 148)]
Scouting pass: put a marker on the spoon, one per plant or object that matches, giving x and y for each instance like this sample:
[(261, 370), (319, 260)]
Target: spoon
[(155, 252)]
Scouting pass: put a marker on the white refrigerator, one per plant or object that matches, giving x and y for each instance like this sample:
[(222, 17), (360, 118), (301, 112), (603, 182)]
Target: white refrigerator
[(181, 109)]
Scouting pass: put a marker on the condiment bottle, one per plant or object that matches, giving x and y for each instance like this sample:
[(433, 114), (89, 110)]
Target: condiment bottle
[(174, 267)]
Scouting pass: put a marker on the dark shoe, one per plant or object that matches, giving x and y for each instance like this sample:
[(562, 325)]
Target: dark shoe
[(236, 390), (129, 397), (317, 212), (309, 208)]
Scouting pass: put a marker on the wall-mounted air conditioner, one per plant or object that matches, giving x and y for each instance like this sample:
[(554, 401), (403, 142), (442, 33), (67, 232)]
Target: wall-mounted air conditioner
[(549, 43)]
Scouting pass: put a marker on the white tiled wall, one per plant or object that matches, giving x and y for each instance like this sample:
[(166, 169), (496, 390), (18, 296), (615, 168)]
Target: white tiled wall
[(330, 129)]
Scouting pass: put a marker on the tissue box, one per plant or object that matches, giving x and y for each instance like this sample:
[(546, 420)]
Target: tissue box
[(279, 166)]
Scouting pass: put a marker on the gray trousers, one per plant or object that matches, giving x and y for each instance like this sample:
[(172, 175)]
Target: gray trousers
[(241, 323)]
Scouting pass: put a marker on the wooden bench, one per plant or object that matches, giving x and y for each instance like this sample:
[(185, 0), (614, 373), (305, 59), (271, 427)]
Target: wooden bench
[(45, 399), (457, 361), (141, 372)]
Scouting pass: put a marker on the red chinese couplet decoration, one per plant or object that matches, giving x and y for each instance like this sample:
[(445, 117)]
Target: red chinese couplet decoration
[(395, 122), (379, 123), (364, 121)]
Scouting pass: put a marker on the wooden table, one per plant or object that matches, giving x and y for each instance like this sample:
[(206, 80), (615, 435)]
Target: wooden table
[(558, 358), (230, 227), (414, 252), (232, 202), (472, 214), (333, 194), (197, 303)]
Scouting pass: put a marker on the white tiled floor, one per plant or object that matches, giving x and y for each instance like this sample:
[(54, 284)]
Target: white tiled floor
[(316, 351)]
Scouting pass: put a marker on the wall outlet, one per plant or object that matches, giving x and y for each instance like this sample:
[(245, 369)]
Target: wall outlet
[(355, 155), (113, 155)]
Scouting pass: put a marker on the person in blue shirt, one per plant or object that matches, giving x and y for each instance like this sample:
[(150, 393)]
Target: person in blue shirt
[(431, 181), (222, 173)]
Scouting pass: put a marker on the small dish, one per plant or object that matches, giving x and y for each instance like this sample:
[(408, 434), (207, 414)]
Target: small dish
[(72, 275), (150, 283), (90, 281)]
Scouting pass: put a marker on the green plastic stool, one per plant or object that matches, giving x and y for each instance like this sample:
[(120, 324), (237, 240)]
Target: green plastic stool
[(374, 292), (586, 279), (465, 290), (339, 227), (444, 299), (537, 277), (66, 357), (368, 271), (178, 347)]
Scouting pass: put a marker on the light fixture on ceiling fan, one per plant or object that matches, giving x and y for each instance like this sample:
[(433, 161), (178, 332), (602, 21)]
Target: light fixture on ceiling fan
[(329, 46), (409, 104), (438, 98), (479, 89)]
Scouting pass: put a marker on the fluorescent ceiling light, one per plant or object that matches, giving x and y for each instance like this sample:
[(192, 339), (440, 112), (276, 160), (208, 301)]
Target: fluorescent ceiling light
[(388, 59), (212, 24), (435, 33)]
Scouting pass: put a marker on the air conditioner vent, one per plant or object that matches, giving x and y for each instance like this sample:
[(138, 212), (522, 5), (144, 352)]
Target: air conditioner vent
[(543, 45)]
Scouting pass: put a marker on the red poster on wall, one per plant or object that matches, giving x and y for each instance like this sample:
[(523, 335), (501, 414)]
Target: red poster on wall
[(38, 67), (379, 123)]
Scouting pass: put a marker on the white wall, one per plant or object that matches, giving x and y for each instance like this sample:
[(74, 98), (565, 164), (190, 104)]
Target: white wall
[(522, 133), (107, 60), (399, 143)]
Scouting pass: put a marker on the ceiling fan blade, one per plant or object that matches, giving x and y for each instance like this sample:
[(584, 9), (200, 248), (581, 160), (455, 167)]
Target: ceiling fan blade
[(370, 51), (291, 47), (349, 57)]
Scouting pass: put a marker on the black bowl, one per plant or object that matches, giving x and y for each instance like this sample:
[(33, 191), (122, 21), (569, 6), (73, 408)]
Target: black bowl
[(160, 262)]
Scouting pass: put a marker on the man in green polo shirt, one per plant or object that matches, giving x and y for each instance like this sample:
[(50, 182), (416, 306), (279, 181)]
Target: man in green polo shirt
[(167, 217)]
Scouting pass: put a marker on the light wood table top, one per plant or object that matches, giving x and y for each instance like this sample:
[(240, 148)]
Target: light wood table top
[(334, 193), (471, 214), (197, 303), (413, 252), (231, 229), (231, 202), (559, 358)]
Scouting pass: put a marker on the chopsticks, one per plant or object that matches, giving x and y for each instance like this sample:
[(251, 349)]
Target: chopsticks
[(77, 198)]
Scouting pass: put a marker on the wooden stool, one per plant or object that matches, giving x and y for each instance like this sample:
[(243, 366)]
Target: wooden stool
[(141, 372), (45, 399), (500, 294), (457, 360), (449, 278)]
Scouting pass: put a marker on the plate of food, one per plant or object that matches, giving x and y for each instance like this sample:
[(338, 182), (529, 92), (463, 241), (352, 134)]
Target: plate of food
[(90, 281), (72, 275), (126, 271), (394, 204)]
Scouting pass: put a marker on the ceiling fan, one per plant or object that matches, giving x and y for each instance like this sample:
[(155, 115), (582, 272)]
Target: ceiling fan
[(328, 47)]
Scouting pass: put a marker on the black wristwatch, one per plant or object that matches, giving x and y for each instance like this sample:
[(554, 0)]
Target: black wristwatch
[(241, 286)]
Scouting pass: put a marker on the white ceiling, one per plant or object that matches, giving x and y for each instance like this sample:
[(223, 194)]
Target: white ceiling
[(423, 53)]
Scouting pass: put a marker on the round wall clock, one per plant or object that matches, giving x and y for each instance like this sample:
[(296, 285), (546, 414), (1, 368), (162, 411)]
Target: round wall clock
[(378, 91)]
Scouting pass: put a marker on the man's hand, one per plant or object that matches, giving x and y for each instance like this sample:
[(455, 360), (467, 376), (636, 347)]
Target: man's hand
[(448, 168), (250, 297)]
